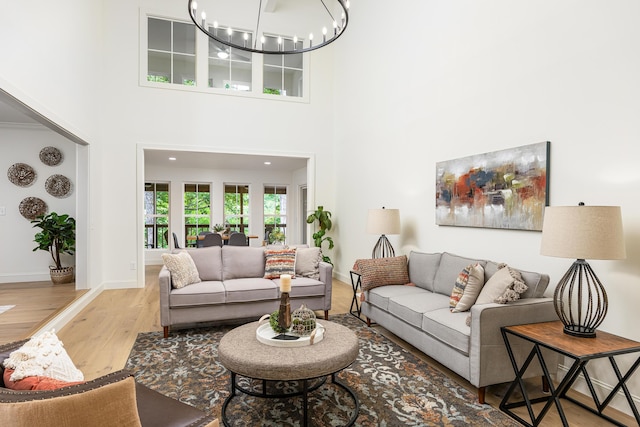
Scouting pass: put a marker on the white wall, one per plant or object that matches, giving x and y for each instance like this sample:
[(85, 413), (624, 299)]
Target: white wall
[(22, 144), (459, 78)]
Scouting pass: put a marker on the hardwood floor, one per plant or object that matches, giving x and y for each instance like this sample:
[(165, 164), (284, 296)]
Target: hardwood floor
[(101, 336)]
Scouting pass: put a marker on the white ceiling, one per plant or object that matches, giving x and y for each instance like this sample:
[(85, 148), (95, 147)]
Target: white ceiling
[(200, 160)]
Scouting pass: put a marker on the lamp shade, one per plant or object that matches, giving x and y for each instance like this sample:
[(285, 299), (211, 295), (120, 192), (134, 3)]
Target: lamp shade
[(383, 221), (583, 232)]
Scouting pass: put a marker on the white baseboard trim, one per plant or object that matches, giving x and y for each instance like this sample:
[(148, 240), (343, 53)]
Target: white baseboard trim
[(71, 311), (27, 277), (619, 402)]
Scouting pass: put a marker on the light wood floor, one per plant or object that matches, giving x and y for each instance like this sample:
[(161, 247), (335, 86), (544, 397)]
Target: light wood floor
[(101, 336)]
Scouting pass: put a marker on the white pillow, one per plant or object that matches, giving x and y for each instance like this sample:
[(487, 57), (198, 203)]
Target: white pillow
[(504, 286), (307, 262), (43, 355), (183, 269)]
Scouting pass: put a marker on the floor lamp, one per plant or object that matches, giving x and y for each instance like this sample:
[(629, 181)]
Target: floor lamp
[(582, 232), (383, 221)]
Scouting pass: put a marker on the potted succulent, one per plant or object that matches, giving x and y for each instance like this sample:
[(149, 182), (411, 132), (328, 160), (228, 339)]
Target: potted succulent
[(57, 235), (218, 228)]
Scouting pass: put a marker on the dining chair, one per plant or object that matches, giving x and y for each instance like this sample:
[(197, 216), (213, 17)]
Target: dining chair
[(238, 239), (175, 241), (200, 241), (211, 239)]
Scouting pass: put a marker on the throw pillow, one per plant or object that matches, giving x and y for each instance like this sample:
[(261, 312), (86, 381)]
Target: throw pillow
[(35, 382), (279, 261), (504, 286), (307, 262), (383, 271), (183, 269), (43, 355), (467, 288)]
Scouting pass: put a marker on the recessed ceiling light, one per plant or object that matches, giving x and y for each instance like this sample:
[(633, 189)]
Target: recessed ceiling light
[(267, 163), (172, 158)]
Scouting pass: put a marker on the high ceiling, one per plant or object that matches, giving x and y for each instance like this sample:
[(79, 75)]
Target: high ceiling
[(10, 112)]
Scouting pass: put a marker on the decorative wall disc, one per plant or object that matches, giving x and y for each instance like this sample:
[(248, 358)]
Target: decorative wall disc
[(58, 186), (31, 207), (21, 174), (51, 156)]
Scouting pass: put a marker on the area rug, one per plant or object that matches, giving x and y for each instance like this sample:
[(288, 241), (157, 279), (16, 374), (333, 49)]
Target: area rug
[(4, 308), (394, 387)]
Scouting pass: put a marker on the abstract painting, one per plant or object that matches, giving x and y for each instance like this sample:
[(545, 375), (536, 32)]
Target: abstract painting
[(503, 189)]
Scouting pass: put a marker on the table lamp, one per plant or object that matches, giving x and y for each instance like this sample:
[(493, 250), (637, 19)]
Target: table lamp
[(383, 221), (582, 232)]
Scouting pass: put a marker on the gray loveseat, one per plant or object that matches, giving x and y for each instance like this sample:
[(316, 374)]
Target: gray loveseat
[(233, 287), (421, 316)]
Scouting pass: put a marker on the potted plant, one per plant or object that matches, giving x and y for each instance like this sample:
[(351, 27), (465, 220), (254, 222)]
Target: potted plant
[(57, 236), (324, 223), (276, 236), (218, 228)]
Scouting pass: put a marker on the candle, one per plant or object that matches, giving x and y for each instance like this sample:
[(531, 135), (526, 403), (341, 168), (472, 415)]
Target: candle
[(285, 283)]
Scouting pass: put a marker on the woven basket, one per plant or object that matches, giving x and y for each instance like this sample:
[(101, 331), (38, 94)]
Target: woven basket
[(62, 275)]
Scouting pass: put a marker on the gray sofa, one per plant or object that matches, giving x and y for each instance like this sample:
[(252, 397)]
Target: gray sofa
[(233, 288), (421, 316)]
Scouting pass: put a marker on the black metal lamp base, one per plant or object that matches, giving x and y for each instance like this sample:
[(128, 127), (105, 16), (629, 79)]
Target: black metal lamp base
[(579, 331), (383, 248)]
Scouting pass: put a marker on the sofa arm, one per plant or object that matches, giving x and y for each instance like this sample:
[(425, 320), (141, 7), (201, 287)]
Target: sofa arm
[(488, 358), (326, 277), (164, 281)]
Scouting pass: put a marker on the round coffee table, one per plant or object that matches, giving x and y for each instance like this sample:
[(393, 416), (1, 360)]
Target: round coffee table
[(242, 354)]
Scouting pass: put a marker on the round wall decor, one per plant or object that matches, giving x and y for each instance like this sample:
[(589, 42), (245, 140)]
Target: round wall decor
[(51, 156), (31, 207), (21, 174), (58, 186)]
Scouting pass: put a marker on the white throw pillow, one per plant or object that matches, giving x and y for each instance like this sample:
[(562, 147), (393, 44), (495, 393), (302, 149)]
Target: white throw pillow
[(183, 269), (504, 286), (43, 355), (307, 262)]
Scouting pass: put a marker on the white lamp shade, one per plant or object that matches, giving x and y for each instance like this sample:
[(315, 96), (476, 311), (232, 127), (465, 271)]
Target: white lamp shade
[(583, 232), (383, 221)]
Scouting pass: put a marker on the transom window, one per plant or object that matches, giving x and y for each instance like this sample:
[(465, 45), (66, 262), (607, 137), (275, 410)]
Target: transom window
[(282, 74), (230, 68), (156, 215), (171, 53)]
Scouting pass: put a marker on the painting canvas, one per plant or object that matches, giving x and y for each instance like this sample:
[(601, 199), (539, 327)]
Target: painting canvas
[(502, 189)]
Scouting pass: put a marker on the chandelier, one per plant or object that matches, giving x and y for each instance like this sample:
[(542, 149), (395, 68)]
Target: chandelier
[(271, 26)]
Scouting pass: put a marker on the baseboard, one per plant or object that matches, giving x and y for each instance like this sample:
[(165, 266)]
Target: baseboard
[(27, 277), (618, 403), (70, 312)]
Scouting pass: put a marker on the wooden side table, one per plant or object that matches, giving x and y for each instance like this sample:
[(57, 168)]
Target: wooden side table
[(582, 350)]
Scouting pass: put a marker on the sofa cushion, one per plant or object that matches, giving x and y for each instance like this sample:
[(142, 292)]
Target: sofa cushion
[(450, 328), (448, 269), (422, 268), (504, 286), (279, 262), (380, 296), (250, 289), (242, 261), (208, 261), (304, 287), (183, 269), (411, 307), (536, 282), (43, 355), (467, 288), (383, 271), (307, 262), (203, 293)]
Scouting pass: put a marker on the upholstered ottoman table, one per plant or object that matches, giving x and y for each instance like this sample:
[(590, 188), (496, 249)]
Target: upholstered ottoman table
[(243, 355)]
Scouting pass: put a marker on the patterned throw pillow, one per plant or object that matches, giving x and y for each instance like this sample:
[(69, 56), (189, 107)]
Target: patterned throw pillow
[(183, 269), (504, 286), (467, 288), (279, 261), (383, 271)]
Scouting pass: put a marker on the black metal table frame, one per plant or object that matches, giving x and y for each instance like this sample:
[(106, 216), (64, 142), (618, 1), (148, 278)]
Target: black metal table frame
[(316, 383), (355, 284), (560, 391)]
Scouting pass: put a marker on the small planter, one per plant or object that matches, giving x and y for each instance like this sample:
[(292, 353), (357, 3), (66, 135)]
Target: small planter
[(60, 276)]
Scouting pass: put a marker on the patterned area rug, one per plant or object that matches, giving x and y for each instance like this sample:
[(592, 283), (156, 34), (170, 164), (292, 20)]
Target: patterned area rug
[(395, 388)]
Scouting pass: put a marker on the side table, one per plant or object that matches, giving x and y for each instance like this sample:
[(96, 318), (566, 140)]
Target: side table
[(582, 350), (356, 284)]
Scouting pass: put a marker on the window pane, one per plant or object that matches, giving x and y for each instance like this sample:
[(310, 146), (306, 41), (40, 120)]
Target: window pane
[(273, 60), (184, 38), (293, 61), (273, 79), (159, 34), (159, 67), (184, 70), (241, 75), (218, 72)]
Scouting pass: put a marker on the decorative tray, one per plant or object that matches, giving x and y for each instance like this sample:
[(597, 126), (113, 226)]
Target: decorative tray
[(266, 335)]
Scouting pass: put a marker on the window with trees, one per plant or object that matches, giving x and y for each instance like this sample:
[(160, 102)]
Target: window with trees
[(197, 209), (171, 52), (275, 213), (156, 215), (236, 207)]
